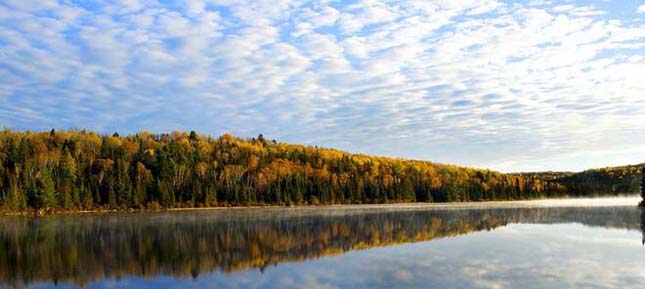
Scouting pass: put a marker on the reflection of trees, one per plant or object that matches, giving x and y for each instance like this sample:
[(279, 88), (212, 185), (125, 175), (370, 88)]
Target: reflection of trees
[(642, 209), (80, 250)]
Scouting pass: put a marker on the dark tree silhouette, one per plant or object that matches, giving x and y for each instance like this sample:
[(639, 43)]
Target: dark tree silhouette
[(643, 224), (642, 203)]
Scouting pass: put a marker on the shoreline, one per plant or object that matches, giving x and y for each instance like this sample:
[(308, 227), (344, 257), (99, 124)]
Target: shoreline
[(628, 200)]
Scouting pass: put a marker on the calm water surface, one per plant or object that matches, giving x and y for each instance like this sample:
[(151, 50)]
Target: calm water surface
[(563, 244)]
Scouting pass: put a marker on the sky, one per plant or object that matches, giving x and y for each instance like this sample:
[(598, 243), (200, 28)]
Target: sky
[(508, 85)]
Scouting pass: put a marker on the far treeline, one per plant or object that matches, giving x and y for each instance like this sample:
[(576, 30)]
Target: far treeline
[(608, 181), (81, 170)]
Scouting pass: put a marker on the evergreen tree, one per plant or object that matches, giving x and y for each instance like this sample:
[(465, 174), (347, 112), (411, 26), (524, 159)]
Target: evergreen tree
[(46, 189), (642, 203), (68, 181)]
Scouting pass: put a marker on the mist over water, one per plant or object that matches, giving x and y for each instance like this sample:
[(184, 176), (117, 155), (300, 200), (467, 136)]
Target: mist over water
[(574, 243), (587, 202)]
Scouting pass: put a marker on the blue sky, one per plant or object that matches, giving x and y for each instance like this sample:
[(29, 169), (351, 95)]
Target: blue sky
[(511, 86)]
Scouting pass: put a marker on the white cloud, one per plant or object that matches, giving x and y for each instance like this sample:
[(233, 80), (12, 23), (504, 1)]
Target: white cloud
[(478, 83), (640, 9)]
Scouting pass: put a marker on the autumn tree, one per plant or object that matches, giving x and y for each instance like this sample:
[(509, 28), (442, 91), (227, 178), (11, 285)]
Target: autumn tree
[(85, 170)]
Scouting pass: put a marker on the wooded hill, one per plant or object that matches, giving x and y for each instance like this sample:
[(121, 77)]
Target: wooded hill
[(82, 170), (609, 181)]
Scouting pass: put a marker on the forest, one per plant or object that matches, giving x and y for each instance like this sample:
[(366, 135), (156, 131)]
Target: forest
[(82, 170), (609, 181)]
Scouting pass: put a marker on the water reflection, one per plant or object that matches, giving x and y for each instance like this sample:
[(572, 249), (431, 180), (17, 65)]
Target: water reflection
[(643, 224), (81, 250)]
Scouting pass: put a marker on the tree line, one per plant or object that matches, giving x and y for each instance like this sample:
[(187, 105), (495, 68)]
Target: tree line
[(608, 181), (83, 170)]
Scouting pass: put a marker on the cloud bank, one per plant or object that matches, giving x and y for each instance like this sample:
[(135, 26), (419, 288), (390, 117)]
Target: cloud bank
[(511, 86)]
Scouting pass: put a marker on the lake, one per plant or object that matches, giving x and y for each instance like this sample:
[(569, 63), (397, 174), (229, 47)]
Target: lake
[(538, 244)]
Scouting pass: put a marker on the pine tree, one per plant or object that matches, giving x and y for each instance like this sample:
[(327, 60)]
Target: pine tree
[(46, 189), (642, 203), (193, 136), (68, 180)]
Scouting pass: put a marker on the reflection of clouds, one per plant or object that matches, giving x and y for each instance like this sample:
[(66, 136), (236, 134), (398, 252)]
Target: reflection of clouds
[(549, 258), (603, 241), (524, 255), (618, 236), (517, 256), (404, 275)]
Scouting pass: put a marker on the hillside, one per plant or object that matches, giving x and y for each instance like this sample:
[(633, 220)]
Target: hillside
[(609, 181), (604, 181), (81, 170)]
